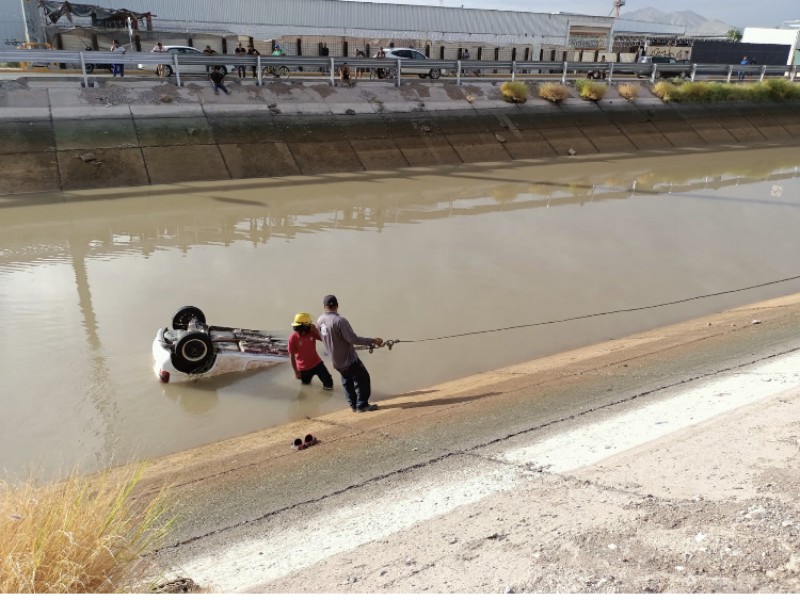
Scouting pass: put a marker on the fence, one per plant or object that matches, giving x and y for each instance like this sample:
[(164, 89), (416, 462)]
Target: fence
[(311, 68)]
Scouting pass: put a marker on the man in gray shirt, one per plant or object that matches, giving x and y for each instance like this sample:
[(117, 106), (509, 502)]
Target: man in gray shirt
[(339, 338)]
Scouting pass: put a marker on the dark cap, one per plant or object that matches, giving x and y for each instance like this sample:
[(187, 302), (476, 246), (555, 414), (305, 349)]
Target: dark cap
[(330, 300)]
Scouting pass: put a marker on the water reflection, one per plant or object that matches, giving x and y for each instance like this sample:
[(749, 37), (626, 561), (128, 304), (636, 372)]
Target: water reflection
[(90, 276)]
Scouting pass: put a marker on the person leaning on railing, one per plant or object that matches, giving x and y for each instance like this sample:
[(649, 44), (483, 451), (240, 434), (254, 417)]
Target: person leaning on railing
[(159, 49)]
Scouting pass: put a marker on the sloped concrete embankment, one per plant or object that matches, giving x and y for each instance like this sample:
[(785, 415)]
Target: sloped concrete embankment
[(57, 136)]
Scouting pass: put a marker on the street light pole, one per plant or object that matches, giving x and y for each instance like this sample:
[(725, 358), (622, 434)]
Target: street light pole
[(25, 22)]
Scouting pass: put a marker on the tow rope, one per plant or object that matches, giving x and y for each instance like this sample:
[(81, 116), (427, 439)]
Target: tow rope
[(390, 343)]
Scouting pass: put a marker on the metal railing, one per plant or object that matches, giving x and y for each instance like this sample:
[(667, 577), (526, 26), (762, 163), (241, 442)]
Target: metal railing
[(306, 67)]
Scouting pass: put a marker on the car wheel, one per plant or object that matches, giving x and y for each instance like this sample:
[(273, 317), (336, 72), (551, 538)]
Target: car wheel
[(90, 68), (657, 75), (283, 72), (391, 73), (186, 315), (590, 75), (435, 73), (224, 70), (194, 353), (167, 71)]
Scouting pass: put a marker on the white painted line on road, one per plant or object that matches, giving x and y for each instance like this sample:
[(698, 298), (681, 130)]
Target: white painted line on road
[(277, 553), (593, 443)]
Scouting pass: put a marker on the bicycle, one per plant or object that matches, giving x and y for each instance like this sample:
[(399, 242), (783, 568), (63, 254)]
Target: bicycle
[(279, 71)]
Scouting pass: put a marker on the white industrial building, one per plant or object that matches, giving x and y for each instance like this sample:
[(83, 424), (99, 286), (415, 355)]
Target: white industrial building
[(304, 25), (786, 37)]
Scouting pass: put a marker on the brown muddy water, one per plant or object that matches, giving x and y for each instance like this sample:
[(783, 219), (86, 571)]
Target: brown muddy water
[(87, 278)]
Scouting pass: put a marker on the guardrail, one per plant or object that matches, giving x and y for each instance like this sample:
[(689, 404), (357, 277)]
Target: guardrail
[(302, 67)]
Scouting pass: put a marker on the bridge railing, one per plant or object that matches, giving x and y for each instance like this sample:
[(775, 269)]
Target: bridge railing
[(391, 70)]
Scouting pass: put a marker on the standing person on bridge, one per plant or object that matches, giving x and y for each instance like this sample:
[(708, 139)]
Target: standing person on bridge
[(118, 68), (159, 49), (339, 339), (239, 52), (251, 51)]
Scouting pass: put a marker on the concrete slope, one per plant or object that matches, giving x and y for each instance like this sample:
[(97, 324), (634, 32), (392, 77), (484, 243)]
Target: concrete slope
[(56, 136), (605, 469)]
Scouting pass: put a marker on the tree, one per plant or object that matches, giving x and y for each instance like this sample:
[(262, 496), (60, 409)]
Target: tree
[(734, 34)]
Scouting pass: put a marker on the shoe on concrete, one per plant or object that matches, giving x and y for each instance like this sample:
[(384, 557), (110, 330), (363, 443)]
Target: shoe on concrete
[(367, 408)]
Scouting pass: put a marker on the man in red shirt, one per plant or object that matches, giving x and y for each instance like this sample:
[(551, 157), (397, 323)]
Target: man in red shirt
[(303, 352)]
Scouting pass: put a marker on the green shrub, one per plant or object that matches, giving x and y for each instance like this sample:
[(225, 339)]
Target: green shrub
[(554, 92), (692, 91), (591, 90), (514, 91), (629, 91)]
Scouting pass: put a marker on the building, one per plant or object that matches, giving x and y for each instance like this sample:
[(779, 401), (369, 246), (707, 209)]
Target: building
[(786, 37), (304, 26)]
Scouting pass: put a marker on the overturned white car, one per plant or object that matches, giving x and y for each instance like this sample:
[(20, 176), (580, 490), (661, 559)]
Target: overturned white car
[(191, 349)]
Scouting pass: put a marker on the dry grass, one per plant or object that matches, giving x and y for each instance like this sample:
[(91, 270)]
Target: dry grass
[(629, 91), (514, 91), (85, 535), (591, 90), (554, 92), (665, 90)]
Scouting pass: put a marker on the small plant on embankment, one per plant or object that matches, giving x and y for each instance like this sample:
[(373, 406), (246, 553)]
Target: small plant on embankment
[(84, 535), (514, 91), (590, 90), (629, 91), (665, 90), (554, 92)]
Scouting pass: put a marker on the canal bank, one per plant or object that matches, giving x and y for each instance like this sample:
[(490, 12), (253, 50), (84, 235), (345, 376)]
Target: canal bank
[(666, 462), (56, 136)]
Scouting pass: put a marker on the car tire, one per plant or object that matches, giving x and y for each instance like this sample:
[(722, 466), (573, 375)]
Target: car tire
[(435, 73), (193, 353), (90, 69), (224, 70), (283, 72), (185, 315), (167, 71)]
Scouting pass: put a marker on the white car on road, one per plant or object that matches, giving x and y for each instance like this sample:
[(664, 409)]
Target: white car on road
[(403, 54), (186, 69)]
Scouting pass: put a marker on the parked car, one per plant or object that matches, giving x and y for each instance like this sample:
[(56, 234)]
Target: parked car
[(667, 66), (90, 67), (402, 54), (186, 69)]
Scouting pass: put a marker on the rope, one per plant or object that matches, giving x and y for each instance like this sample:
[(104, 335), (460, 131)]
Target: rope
[(390, 343)]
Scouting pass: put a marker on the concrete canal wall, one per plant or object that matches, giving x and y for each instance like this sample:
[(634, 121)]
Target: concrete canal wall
[(58, 136)]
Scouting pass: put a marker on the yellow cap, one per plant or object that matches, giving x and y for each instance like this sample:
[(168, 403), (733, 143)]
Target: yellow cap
[(302, 319)]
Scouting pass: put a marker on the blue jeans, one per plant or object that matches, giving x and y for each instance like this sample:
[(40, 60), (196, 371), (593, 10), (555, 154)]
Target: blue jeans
[(356, 384), (320, 371), (118, 69)]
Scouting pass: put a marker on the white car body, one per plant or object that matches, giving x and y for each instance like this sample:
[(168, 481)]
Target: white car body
[(403, 54), (191, 350), (186, 69)]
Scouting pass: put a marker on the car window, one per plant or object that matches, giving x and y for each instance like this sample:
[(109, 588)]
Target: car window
[(403, 53), (418, 55)]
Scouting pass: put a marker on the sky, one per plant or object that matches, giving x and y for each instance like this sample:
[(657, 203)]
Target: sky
[(740, 13)]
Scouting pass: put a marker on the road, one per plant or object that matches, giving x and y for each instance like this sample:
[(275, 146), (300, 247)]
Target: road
[(577, 472)]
